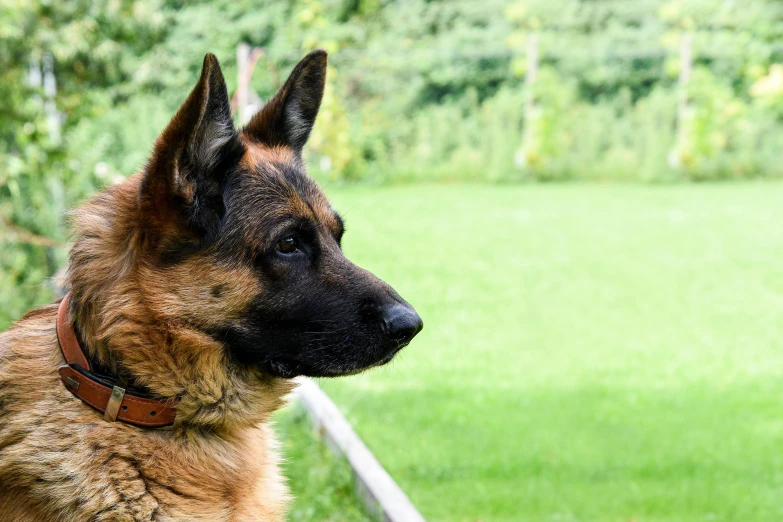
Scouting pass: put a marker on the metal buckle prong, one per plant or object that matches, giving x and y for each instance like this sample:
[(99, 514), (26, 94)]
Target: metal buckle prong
[(113, 407)]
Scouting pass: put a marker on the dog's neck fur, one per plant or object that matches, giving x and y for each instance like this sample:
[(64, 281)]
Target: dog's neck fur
[(123, 332)]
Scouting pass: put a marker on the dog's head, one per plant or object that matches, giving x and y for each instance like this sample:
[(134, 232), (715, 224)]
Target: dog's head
[(245, 247)]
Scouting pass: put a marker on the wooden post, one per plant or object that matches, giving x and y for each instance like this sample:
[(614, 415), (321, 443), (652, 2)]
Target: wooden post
[(50, 106), (531, 71), (243, 59), (686, 65), (246, 101), (377, 489)]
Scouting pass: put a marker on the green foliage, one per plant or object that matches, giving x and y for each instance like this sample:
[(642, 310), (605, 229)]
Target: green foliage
[(605, 64), (94, 48)]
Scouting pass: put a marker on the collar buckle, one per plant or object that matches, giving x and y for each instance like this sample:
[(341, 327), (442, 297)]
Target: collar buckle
[(113, 406)]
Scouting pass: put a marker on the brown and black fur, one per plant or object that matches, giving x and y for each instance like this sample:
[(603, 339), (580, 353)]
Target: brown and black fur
[(213, 276)]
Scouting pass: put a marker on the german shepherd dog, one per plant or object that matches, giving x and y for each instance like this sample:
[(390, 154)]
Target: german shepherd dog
[(197, 289)]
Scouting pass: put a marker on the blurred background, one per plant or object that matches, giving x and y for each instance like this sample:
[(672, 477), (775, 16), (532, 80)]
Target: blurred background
[(580, 197)]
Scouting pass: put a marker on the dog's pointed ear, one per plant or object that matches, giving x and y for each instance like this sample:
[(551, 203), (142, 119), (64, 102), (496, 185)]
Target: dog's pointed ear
[(288, 117), (192, 155), (198, 137)]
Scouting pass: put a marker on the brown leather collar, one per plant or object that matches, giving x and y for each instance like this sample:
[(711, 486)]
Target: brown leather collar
[(108, 396)]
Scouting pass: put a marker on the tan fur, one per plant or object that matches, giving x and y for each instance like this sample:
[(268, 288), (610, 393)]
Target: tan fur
[(259, 153), (59, 460)]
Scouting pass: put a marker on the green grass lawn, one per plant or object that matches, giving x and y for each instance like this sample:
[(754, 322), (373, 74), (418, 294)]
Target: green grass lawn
[(591, 353), (322, 483)]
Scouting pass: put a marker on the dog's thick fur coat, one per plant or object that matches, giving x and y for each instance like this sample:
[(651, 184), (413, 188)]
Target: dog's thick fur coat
[(59, 460), (179, 283)]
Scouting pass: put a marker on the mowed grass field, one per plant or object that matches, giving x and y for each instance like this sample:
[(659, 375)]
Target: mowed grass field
[(321, 482), (590, 353)]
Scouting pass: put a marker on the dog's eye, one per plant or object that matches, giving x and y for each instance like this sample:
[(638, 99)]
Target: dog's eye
[(287, 245)]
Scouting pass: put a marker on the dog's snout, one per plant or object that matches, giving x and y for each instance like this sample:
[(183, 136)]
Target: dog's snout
[(401, 323)]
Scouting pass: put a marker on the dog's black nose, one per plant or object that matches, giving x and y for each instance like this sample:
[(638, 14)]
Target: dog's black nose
[(401, 323)]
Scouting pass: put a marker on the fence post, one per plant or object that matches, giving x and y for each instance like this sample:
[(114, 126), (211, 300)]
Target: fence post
[(243, 59), (245, 101), (531, 71), (686, 64), (50, 106)]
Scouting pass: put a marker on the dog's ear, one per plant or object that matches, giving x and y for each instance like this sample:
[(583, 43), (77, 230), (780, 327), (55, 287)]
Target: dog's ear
[(193, 154), (288, 117)]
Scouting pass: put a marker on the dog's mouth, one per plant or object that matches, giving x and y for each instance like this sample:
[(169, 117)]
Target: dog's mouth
[(290, 368)]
